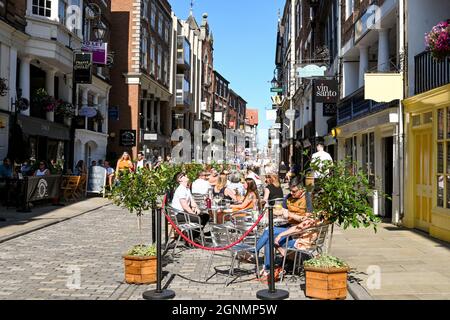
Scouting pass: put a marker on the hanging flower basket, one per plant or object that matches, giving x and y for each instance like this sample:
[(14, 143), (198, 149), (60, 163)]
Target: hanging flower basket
[(65, 109), (438, 40), (44, 101), (3, 87)]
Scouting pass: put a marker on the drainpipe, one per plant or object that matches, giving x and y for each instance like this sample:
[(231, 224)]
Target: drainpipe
[(403, 50)]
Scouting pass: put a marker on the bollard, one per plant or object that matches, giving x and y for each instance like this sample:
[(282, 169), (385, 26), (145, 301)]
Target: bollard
[(272, 293), (159, 293)]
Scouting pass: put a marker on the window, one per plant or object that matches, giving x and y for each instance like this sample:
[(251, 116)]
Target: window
[(145, 9), (160, 25), (144, 49), (62, 8), (167, 32), (159, 63), (443, 158), (349, 6), (153, 16), (166, 68), (88, 24), (368, 156), (42, 8), (152, 56)]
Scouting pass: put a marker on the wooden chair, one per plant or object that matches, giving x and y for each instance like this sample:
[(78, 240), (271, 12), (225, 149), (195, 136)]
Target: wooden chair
[(80, 192), (69, 187)]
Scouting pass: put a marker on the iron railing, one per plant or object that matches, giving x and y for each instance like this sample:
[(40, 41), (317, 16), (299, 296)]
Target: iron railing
[(430, 73)]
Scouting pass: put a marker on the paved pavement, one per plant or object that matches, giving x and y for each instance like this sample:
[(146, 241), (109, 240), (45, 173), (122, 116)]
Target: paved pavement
[(80, 258), (411, 265)]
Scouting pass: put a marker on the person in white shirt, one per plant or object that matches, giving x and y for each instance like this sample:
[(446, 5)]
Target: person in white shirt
[(183, 201), (141, 163), (320, 158), (252, 175), (201, 185)]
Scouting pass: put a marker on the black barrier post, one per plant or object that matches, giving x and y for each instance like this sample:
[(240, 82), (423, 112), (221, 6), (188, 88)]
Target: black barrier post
[(271, 293), (166, 230), (159, 293), (153, 226)]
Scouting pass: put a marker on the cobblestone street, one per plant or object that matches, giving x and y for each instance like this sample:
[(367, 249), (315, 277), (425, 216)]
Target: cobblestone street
[(44, 264)]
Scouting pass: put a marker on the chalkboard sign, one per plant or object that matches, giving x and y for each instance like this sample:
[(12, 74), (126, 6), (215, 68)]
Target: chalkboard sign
[(97, 180), (127, 138)]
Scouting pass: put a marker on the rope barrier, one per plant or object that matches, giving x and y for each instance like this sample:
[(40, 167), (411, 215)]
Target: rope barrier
[(214, 249)]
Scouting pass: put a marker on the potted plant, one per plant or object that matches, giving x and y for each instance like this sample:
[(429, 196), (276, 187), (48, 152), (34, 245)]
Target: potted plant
[(139, 193), (140, 265), (438, 40), (341, 194), (326, 278)]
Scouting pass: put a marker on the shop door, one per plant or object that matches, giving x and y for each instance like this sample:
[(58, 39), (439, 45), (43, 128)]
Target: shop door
[(423, 173), (388, 175)]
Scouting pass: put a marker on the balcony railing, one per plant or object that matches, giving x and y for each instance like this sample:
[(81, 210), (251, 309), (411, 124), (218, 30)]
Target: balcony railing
[(430, 73), (355, 106)]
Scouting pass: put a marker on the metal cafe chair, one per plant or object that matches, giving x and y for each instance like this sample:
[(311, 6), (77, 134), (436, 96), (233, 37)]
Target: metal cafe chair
[(187, 226), (316, 246), (229, 232)]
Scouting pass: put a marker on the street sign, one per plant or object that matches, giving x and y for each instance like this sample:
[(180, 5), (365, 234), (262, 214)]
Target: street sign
[(277, 126), (99, 51), (88, 112), (127, 138), (326, 91), (82, 68), (278, 90), (150, 137)]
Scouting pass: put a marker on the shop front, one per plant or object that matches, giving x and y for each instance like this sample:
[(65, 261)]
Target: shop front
[(370, 142), (45, 140), (427, 179)]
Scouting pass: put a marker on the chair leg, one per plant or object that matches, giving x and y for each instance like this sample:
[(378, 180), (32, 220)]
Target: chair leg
[(209, 265), (176, 245), (284, 264), (231, 272), (295, 263)]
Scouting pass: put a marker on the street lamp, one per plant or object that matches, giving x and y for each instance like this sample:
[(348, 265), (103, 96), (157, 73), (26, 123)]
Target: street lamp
[(99, 30), (274, 83)]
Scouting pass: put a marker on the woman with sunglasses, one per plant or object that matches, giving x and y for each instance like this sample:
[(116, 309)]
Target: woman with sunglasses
[(124, 164)]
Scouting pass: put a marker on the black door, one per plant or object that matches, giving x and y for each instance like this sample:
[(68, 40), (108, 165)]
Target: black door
[(388, 174)]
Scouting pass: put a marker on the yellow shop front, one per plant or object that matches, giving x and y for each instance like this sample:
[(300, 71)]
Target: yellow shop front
[(427, 178)]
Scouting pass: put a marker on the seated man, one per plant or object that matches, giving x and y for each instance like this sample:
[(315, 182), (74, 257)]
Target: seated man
[(201, 185), (110, 173), (296, 211)]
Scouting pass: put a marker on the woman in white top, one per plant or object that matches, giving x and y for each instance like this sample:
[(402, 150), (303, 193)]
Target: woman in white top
[(183, 201), (42, 171)]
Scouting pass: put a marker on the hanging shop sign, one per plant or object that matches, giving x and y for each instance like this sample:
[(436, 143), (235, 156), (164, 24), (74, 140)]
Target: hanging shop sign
[(96, 180), (383, 87), (99, 51), (88, 112), (326, 91), (82, 67), (311, 71), (329, 109), (127, 138)]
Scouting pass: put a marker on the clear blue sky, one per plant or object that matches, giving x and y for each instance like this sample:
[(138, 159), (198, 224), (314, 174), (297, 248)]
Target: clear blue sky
[(244, 46)]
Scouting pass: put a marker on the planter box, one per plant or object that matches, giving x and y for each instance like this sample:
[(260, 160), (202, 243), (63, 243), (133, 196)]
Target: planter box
[(140, 270), (327, 284)]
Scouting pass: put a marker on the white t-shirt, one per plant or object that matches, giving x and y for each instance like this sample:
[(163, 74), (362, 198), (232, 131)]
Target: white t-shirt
[(109, 171), (181, 193), (141, 164), (200, 186), (319, 158)]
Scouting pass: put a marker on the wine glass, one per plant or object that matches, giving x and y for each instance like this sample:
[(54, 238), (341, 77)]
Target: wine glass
[(217, 200)]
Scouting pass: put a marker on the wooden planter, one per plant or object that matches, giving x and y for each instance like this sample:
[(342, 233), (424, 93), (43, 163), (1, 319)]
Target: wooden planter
[(327, 284), (140, 270)]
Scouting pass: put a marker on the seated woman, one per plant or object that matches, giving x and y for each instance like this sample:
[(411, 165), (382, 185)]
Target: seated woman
[(251, 199), (273, 189), (183, 201), (221, 190)]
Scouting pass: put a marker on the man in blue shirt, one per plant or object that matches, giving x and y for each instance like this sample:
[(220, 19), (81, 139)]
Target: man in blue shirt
[(6, 169)]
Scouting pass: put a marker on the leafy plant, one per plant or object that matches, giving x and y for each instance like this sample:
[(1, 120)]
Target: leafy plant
[(65, 109), (326, 262), (343, 196), (3, 87), (438, 40), (142, 251), (44, 101)]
